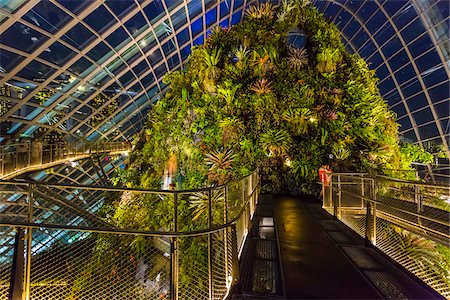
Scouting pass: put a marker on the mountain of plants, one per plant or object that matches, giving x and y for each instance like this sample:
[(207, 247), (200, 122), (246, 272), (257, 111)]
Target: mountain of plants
[(250, 98), (276, 92)]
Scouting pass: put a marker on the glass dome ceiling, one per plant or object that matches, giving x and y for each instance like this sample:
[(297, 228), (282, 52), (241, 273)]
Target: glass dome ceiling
[(92, 69)]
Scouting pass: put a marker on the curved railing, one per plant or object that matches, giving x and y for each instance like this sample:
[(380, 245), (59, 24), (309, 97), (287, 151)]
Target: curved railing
[(407, 220), (16, 159), (195, 256)]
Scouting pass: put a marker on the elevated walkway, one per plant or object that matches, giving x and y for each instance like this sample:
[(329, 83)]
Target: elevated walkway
[(21, 158), (321, 258)]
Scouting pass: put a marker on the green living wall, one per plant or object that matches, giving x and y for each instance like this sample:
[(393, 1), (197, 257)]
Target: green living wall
[(248, 99)]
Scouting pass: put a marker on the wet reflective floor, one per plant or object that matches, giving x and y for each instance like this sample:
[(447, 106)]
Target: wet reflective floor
[(297, 250), (321, 258)]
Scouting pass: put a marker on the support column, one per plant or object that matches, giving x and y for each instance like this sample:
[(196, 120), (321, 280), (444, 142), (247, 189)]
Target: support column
[(17, 270)]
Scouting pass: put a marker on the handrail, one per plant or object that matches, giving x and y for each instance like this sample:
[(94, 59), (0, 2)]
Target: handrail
[(118, 230), (412, 181), (120, 189), (414, 214), (16, 159)]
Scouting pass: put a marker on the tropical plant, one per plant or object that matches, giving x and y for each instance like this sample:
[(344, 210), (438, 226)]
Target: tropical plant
[(262, 86), (219, 160), (199, 202), (276, 142), (298, 58), (299, 119), (327, 60), (260, 10)]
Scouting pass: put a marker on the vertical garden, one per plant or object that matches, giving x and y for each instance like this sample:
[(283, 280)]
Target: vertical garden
[(279, 92)]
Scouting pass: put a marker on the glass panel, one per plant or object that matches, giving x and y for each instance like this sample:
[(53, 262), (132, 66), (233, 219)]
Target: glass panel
[(183, 37), (78, 36), (136, 25), (75, 6), (36, 70), (399, 60), (400, 110), (443, 109), (224, 9), (405, 123), (80, 66), (428, 61), (440, 92), (179, 19), (423, 116), (22, 37), (120, 7), (118, 37), (428, 131), (392, 47), (99, 52), (236, 17), (413, 30), (47, 16), (100, 20), (405, 74), (434, 76), (9, 60), (375, 23), (411, 89), (417, 102), (57, 53), (11, 5), (154, 11), (141, 68), (154, 57)]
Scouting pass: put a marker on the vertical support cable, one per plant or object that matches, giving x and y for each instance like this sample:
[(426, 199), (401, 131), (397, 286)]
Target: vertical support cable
[(225, 232)]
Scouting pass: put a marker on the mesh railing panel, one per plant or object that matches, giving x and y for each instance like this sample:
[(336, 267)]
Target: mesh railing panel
[(403, 222), (219, 264), (193, 276), (421, 256), (7, 235), (80, 251), (97, 266)]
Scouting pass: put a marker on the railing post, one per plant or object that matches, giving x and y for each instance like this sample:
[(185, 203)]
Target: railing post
[(367, 237), (374, 224), (333, 200), (210, 274), (2, 169), (27, 287), (17, 270), (174, 253), (234, 256), (418, 200), (173, 269), (362, 191), (339, 208)]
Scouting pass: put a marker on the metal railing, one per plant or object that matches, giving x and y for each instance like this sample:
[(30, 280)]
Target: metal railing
[(167, 244), (16, 159), (408, 221)]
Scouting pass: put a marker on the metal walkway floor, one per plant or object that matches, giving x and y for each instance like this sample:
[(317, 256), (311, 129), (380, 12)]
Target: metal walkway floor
[(319, 258)]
